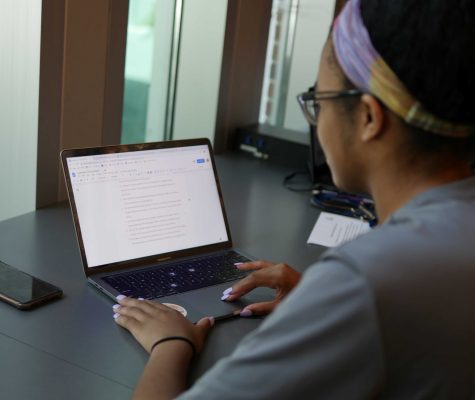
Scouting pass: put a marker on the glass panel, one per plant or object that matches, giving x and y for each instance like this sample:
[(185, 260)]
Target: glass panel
[(152, 33), (298, 31), (279, 53), (20, 23), (163, 98)]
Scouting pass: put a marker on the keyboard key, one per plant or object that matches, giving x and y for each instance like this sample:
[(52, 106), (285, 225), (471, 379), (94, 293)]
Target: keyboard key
[(179, 277)]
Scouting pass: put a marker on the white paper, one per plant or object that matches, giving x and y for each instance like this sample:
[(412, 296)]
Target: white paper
[(331, 230)]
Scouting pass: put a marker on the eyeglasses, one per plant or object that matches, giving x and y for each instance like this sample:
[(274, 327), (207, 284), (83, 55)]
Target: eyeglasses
[(310, 101)]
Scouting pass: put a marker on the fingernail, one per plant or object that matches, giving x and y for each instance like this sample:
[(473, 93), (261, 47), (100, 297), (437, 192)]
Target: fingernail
[(238, 264), (228, 290), (245, 313), (225, 297), (141, 299), (211, 320), (115, 306), (121, 297), (116, 316)]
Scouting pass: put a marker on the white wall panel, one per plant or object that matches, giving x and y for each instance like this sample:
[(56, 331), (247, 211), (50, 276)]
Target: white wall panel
[(20, 33)]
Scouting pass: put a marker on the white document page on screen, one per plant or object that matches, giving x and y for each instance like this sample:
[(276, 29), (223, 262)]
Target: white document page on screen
[(144, 203)]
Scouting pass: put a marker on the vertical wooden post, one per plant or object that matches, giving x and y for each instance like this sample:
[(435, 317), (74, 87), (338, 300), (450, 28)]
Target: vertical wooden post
[(242, 73), (81, 83)]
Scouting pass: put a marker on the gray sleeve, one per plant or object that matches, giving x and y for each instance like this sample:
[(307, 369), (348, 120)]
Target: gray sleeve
[(322, 342)]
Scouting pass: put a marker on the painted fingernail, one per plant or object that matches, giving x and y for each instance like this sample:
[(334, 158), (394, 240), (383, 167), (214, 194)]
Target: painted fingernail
[(141, 299), (116, 316), (115, 306), (238, 264), (245, 313), (211, 320), (225, 297), (228, 290), (121, 297)]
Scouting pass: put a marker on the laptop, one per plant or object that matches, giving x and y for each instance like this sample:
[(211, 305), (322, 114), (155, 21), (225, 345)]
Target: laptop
[(150, 223)]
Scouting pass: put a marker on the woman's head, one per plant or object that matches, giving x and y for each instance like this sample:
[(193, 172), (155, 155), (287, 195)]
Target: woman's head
[(428, 45)]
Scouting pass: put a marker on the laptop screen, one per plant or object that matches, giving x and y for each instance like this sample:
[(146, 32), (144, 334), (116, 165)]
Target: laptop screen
[(143, 203)]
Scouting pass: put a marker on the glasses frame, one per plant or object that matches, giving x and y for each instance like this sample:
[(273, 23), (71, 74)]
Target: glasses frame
[(312, 99)]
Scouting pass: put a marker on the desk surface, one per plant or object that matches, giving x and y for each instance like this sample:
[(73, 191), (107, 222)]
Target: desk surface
[(72, 348)]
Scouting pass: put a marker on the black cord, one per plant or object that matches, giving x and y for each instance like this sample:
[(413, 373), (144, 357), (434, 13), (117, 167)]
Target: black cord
[(338, 201), (290, 177)]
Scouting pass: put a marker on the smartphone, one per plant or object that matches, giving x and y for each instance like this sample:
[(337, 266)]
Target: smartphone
[(24, 291)]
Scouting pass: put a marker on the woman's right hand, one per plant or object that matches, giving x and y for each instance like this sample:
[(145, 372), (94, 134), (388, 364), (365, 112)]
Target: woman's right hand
[(280, 277)]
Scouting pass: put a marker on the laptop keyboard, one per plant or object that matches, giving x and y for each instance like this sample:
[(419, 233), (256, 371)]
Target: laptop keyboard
[(179, 277)]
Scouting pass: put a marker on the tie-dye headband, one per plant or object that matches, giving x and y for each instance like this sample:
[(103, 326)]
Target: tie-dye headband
[(363, 66)]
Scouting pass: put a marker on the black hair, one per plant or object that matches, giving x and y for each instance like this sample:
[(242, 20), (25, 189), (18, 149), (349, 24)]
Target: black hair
[(430, 45)]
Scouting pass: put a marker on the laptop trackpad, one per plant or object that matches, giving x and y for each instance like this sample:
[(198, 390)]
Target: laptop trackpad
[(207, 301)]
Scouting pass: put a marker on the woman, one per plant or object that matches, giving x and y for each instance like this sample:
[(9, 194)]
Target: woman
[(392, 313)]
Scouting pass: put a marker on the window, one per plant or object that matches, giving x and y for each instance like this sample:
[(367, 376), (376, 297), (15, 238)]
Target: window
[(19, 80), (172, 70), (298, 31)]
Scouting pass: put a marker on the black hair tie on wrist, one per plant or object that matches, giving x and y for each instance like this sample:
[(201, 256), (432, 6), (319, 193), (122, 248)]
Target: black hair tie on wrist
[(166, 339)]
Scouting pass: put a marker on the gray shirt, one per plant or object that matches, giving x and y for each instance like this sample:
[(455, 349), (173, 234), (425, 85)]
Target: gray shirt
[(389, 315)]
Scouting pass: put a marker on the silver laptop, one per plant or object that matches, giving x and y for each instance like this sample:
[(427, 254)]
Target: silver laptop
[(150, 223)]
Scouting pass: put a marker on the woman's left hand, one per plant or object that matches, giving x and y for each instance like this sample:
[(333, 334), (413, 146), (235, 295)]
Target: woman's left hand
[(150, 321)]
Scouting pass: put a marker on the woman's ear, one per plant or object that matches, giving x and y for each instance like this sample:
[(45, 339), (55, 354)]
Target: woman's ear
[(372, 118)]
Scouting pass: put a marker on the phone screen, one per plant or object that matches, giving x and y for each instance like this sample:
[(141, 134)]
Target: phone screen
[(21, 287)]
